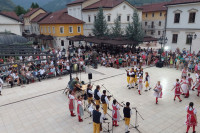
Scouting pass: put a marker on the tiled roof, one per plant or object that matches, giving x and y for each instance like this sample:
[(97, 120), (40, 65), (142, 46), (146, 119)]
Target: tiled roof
[(104, 4), (76, 2), (175, 2), (154, 7), (28, 14), (40, 17), (60, 17), (11, 15)]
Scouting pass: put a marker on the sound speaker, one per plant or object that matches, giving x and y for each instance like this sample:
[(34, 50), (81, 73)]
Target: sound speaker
[(159, 64), (89, 75)]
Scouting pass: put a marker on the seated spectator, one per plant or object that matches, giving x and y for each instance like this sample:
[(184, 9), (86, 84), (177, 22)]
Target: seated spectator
[(16, 79), (9, 80), (42, 73)]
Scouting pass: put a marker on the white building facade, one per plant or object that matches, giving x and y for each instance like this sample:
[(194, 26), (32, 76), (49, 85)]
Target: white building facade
[(123, 11), (183, 19), (10, 24)]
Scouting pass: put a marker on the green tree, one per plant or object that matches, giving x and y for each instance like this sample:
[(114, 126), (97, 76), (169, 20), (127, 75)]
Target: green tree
[(116, 29), (134, 29), (100, 25), (19, 10), (34, 5)]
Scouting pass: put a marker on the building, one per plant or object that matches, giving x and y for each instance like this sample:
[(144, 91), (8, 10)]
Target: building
[(153, 19), (86, 10), (183, 18), (29, 16), (61, 26), (10, 22), (34, 23)]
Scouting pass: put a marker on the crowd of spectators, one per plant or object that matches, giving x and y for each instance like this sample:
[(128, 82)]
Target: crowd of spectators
[(37, 69)]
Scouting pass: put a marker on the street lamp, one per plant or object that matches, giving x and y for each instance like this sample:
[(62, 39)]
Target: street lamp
[(71, 53), (162, 40), (191, 37)]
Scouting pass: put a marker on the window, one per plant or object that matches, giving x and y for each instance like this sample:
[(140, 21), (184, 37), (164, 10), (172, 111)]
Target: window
[(41, 29), (53, 30), (89, 19), (119, 18), (160, 13), (45, 30), (152, 24), (188, 39), (174, 38), (95, 17), (177, 18), (79, 29), (61, 30), (62, 43), (108, 18), (70, 29), (159, 23), (153, 14), (158, 32), (145, 23), (152, 32), (145, 32), (146, 15), (124, 7), (128, 18), (49, 29), (192, 16)]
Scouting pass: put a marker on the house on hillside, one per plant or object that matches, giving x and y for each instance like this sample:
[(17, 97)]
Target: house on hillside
[(183, 19), (61, 26), (153, 19), (10, 22), (29, 16), (86, 10), (34, 23)]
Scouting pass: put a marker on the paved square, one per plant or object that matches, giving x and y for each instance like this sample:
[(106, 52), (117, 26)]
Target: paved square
[(42, 107)]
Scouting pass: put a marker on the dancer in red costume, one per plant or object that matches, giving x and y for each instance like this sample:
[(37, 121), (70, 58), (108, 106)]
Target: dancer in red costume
[(191, 117), (178, 89), (71, 103)]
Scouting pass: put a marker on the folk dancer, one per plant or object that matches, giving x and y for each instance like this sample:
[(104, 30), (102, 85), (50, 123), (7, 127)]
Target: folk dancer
[(147, 81), (80, 111), (115, 113), (132, 78), (127, 116), (1, 86), (97, 95), (136, 76), (184, 72), (177, 87), (190, 81), (140, 84), (97, 120), (89, 94), (197, 85), (71, 103), (184, 86), (191, 117), (128, 78), (105, 102), (158, 91)]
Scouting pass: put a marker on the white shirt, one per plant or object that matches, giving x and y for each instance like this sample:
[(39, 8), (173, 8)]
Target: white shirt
[(1, 81), (42, 71), (131, 73), (99, 94), (91, 92), (91, 110), (195, 112), (71, 96)]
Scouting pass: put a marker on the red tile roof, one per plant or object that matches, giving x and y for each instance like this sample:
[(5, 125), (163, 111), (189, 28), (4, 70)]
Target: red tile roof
[(175, 2), (76, 2), (11, 15), (40, 17), (154, 7), (28, 14), (104, 4), (60, 18)]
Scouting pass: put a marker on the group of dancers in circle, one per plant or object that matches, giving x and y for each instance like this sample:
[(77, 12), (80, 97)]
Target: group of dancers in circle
[(134, 79)]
